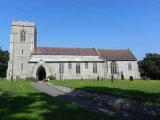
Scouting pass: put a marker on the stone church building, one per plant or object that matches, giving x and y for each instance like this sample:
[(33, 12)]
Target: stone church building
[(28, 60)]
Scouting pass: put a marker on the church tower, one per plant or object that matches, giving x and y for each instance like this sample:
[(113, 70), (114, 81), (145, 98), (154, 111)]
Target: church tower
[(23, 40)]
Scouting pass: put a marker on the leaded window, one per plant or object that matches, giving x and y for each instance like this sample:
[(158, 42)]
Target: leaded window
[(70, 65), (114, 67), (94, 67), (78, 68), (61, 68), (106, 66), (86, 65), (129, 66)]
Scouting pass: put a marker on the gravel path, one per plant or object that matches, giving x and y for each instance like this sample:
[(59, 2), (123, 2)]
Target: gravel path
[(68, 97)]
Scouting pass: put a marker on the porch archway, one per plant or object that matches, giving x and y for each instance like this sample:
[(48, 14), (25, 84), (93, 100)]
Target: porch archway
[(41, 73)]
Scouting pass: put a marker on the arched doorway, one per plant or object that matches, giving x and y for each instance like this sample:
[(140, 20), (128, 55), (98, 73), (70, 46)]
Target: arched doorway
[(41, 73)]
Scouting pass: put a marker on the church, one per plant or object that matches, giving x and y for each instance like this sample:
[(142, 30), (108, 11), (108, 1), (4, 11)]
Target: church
[(29, 61)]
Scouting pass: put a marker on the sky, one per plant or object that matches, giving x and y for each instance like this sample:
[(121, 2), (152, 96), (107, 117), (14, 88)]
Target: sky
[(110, 24)]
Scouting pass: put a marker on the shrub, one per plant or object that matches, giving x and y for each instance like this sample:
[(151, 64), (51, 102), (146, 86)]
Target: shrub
[(31, 79), (51, 77), (2, 78)]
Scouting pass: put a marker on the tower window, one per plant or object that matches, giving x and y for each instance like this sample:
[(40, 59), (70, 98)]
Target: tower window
[(23, 35), (22, 51)]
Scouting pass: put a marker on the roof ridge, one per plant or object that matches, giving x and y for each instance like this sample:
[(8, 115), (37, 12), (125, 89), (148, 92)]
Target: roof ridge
[(65, 47), (111, 49), (84, 48)]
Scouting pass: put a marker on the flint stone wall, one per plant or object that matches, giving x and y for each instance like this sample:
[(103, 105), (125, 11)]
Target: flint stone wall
[(112, 101)]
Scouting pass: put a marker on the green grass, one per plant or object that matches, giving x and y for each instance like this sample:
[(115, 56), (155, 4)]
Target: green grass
[(147, 91), (20, 101)]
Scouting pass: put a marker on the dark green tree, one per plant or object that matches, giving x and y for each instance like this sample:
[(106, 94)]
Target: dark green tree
[(150, 66), (4, 57)]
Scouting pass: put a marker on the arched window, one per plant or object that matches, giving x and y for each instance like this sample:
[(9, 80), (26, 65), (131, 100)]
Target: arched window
[(23, 35), (86, 65), (78, 68), (94, 67), (106, 66), (129, 66), (61, 68), (69, 65), (114, 67)]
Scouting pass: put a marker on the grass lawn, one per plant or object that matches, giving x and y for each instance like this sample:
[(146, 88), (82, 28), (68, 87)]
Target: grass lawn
[(147, 91), (20, 101)]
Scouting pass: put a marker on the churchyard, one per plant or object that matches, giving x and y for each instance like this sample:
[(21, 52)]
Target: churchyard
[(147, 91), (20, 101)]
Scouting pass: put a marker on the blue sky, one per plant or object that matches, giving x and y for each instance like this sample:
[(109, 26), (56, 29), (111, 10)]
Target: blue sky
[(111, 24)]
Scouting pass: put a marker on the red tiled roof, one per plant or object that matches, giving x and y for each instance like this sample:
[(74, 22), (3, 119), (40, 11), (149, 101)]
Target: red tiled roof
[(65, 51), (117, 55)]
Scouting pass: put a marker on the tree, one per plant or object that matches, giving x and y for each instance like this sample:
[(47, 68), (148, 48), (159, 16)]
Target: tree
[(4, 57), (150, 66)]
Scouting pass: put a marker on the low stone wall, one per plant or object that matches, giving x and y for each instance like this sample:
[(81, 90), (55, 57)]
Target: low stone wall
[(116, 102)]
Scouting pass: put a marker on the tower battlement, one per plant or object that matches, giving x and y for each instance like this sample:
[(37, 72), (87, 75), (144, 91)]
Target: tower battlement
[(24, 23)]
